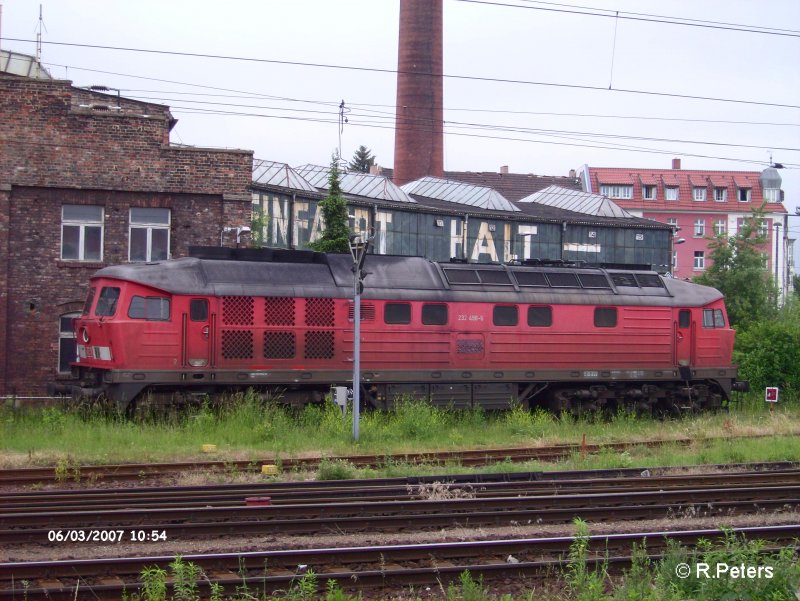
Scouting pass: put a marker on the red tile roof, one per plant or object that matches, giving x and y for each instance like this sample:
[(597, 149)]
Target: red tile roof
[(685, 180)]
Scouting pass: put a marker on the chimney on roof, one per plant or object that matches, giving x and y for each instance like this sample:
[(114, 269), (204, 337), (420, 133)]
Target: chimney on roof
[(572, 173), (676, 163), (504, 170), (419, 118), (375, 170)]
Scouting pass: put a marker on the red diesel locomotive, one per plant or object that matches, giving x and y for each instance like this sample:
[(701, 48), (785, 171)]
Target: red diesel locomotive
[(281, 322)]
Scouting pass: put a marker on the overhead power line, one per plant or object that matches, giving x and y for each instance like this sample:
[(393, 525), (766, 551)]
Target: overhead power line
[(642, 17), (395, 72)]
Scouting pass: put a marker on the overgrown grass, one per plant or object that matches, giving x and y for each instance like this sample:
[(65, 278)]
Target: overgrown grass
[(733, 569), (243, 428)]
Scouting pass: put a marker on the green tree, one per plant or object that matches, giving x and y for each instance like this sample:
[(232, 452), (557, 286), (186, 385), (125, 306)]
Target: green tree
[(336, 235), (362, 160), (738, 272)]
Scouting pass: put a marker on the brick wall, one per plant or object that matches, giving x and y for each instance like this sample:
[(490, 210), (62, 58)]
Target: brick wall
[(57, 147)]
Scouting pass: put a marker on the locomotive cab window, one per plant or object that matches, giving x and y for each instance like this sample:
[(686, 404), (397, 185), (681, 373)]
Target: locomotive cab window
[(540, 317), (198, 309), (152, 308), (505, 315), (107, 303), (605, 317), (87, 306), (397, 313), (684, 318), (713, 318), (434, 314)]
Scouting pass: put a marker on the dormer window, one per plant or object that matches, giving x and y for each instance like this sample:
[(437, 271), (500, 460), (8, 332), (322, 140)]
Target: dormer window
[(720, 194), (745, 194), (649, 192), (699, 194), (623, 192)]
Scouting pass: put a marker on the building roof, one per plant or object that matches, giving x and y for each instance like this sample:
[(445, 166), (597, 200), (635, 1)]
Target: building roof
[(356, 183), (15, 63), (685, 180), (577, 201), (459, 192), (271, 173)]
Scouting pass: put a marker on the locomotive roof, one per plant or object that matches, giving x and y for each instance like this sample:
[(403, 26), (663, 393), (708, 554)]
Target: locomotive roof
[(310, 274)]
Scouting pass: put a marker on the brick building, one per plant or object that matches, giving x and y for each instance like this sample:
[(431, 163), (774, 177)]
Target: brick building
[(89, 179), (701, 204)]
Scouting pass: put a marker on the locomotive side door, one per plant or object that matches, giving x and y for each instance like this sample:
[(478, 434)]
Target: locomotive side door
[(683, 338), (197, 333)]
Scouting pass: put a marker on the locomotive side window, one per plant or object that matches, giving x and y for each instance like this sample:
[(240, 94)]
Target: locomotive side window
[(684, 318), (107, 303), (505, 315), (399, 313), (198, 309), (87, 306), (152, 308), (540, 317), (713, 318), (434, 314), (605, 317)]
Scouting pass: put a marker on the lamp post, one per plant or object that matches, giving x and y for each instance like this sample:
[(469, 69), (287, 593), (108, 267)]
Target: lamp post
[(358, 250)]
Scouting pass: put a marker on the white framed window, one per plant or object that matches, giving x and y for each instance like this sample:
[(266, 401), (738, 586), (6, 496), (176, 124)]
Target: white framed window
[(699, 259), (649, 192), (67, 349), (699, 193), (720, 194), (719, 227), (624, 192), (148, 234), (699, 228), (81, 233), (673, 221), (764, 260), (772, 195), (763, 229), (744, 194), (671, 192)]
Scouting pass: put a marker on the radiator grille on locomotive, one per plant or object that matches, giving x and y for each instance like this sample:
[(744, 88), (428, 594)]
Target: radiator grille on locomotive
[(237, 344), (237, 310), (319, 312), (279, 311), (279, 345)]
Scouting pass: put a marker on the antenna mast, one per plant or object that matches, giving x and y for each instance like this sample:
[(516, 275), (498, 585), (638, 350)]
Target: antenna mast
[(39, 37)]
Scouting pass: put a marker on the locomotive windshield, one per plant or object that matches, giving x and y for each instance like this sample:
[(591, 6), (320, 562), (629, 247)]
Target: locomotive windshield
[(89, 300), (107, 303)]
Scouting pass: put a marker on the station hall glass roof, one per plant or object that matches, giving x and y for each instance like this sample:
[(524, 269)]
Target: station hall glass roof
[(459, 192)]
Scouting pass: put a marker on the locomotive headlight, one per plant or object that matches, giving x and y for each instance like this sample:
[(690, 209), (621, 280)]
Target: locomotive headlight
[(84, 334)]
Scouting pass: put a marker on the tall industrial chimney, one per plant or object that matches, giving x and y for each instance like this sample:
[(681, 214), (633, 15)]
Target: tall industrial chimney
[(418, 136)]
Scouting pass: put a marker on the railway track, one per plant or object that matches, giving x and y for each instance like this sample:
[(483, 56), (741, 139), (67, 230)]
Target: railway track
[(349, 509), (354, 568), (468, 458)]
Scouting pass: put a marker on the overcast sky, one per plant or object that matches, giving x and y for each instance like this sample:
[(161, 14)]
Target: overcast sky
[(742, 56)]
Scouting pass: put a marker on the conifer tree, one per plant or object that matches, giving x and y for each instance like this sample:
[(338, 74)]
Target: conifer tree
[(336, 235), (362, 160)]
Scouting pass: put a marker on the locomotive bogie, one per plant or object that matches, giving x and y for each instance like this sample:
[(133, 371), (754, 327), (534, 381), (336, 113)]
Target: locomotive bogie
[(568, 339)]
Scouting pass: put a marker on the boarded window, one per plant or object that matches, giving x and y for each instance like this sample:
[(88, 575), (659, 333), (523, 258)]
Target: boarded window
[(540, 317), (398, 313), (605, 317), (505, 315), (434, 314)]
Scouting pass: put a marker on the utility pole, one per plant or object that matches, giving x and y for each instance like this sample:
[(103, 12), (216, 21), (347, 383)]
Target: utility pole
[(358, 250)]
